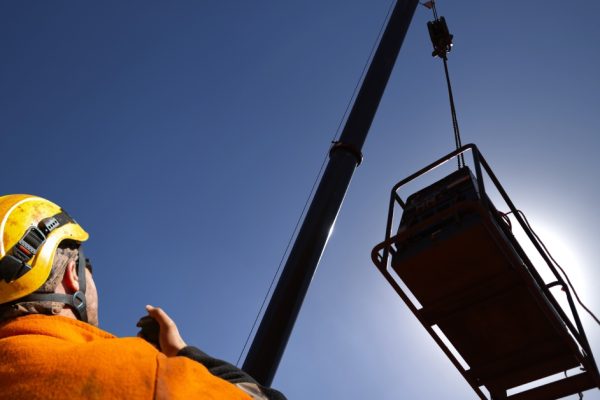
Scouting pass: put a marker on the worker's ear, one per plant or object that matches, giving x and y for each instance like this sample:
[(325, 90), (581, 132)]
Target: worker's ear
[(71, 279)]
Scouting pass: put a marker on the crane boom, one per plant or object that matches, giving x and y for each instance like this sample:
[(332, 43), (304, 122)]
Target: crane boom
[(276, 326)]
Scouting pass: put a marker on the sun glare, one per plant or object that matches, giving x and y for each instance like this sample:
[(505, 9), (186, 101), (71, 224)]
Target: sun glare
[(564, 252)]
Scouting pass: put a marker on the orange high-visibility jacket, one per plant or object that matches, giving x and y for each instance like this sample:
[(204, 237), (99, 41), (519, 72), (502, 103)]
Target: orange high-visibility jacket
[(53, 357)]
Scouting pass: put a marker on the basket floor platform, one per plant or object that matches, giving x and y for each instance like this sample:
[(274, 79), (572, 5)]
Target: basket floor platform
[(461, 271)]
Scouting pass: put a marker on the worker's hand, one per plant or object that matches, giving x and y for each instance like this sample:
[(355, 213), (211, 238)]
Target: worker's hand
[(169, 338)]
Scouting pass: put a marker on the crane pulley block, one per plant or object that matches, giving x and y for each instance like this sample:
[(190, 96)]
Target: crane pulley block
[(440, 37), (456, 263)]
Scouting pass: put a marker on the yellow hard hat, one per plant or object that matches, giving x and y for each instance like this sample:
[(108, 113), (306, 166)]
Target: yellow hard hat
[(31, 228)]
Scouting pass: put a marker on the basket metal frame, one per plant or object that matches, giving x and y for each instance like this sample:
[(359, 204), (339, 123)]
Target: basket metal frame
[(381, 258)]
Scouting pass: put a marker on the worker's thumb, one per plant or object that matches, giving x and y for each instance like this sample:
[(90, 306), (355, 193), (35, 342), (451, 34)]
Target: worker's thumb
[(169, 338)]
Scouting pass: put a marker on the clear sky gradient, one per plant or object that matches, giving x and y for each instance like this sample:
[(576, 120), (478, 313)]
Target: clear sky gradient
[(185, 137)]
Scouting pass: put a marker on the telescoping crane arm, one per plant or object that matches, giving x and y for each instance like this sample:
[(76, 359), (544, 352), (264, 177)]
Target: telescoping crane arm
[(277, 324)]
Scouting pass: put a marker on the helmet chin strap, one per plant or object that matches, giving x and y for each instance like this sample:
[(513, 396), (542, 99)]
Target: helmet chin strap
[(75, 300)]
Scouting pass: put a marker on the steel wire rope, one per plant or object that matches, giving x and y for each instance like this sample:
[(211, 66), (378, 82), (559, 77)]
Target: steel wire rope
[(457, 140), (444, 57), (319, 174), (566, 276)]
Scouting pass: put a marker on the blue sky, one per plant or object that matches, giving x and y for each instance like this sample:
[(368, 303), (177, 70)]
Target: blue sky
[(185, 137)]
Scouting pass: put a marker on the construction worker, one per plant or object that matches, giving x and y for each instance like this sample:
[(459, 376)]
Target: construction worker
[(50, 345)]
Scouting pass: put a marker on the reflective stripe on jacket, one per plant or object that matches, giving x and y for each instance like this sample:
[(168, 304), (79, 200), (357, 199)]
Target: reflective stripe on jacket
[(53, 357)]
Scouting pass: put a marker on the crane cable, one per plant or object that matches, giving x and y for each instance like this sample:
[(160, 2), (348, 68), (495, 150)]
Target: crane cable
[(442, 45)]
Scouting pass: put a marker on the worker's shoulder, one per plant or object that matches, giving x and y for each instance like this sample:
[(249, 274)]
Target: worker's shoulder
[(57, 335), (83, 361)]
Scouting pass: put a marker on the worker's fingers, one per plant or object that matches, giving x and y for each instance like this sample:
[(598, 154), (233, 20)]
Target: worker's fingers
[(160, 316), (169, 338)]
